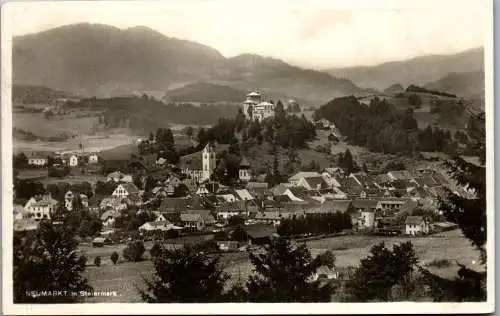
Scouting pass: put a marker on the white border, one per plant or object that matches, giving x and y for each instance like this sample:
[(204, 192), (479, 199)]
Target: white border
[(245, 308)]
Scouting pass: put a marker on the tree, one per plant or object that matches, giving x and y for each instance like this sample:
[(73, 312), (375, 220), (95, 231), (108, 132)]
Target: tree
[(48, 259), (185, 275), (155, 251), (380, 271), (20, 161), (415, 100), (114, 257), (189, 132), (285, 273), (469, 212), (134, 251), (97, 261)]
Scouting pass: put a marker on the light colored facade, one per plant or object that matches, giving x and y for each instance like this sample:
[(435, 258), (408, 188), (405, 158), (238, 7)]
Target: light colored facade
[(125, 190), (73, 161), (208, 162), (68, 200), (38, 161), (93, 158), (416, 225), (366, 220), (40, 207), (257, 110)]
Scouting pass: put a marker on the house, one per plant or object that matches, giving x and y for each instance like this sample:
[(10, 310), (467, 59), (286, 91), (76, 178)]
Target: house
[(294, 180), (100, 241), (173, 205), (228, 210), (259, 234), (298, 194), (243, 195), (228, 245), (93, 158), (271, 217), (244, 171), (125, 189), (161, 162), (255, 109), (323, 124), (68, 200), (416, 225), (258, 188), (312, 183), (38, 161), (198, 219), (332, 206), (25, 224), (156, 225), (108, 218), (20, 212), (114, 203), (399, 175), (118, 176), (40, 207), (73, 160), (366, 209), (330, 179), (199, 165)]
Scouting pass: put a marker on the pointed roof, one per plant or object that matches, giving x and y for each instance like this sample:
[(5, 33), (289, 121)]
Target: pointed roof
[(244, 162), (253, 94)]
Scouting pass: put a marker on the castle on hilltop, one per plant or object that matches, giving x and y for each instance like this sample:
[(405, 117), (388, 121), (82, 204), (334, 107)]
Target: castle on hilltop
[(255, 109)]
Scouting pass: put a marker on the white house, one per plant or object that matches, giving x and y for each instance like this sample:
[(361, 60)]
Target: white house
[(244, 170), (73, 160), (125, 190), (256, 109), (199, 166), (40, 207), (68, 200), (416, 225), (93, 158), (38, 161)]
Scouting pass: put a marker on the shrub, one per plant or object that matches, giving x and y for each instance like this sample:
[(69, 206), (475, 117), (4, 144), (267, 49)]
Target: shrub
[(155, 251), (114, 257), (97, 261), (134, 251), (439, 263)]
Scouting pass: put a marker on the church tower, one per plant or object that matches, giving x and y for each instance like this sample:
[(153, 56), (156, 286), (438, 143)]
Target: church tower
[(208, 161)]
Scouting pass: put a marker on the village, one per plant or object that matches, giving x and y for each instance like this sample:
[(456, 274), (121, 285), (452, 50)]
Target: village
[(185, 199)]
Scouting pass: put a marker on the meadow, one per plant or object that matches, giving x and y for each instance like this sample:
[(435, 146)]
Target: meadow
[(125, 277)]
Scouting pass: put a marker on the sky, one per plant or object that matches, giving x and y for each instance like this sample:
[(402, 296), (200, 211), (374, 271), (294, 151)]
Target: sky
[(313, 33)]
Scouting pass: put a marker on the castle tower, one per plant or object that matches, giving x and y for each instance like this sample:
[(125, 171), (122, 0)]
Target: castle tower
[(208, 161)]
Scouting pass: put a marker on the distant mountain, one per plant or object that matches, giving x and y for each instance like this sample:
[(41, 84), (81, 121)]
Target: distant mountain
[(94, 59), (419, 70), (208, 92), (24, 94), (465, 84)]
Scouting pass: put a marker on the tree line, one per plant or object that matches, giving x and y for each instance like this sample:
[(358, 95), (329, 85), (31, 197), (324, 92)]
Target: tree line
[(315, 224)]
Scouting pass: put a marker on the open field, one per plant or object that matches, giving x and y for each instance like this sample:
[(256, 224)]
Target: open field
[(38, 125), (348, 250), (91, 143)]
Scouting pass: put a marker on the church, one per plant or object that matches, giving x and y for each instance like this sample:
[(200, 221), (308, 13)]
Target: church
[(200, 165), (255, 109)]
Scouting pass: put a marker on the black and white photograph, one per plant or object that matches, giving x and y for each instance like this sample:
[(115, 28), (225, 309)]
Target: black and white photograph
[(205, 152)]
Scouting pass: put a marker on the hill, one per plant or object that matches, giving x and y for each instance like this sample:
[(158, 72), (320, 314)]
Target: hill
[(24, 94), (249, 72), (205, 92), (395, 88), (465, 84), (419, 70), (95, 59), (101, 60)]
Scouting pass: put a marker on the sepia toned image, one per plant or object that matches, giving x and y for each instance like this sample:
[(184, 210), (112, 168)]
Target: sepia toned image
[(217, 152)]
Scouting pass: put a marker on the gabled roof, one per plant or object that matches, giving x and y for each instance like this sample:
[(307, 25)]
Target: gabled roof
[(170, 205), (110, 213), (316, 182), (257, 185), (244, 163), (130, 188), (196, 215), (243, 194), (301, 193), (259, 230), (303, 174), (414, 220), (365, 203), (400, 175)]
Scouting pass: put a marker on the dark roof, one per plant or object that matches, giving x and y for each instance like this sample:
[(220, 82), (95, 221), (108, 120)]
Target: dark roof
[(130, 187), (244, 163), (427, 180), (259, 230), (316, 182), (401, 174), (194, 215), (169, 205), (257, 185), (192, 161), (301, 193), (365, 203)]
